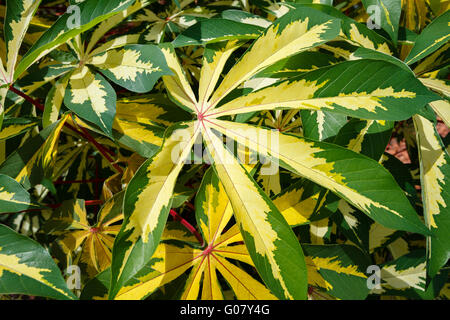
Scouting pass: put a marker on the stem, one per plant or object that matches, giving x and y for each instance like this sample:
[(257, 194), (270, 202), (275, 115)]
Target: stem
[(36, 103), (188, 226)]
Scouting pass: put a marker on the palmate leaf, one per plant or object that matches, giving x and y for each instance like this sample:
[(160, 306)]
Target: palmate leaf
[(435, 173), (71, 225), (147, 204), (270, 241), (329, 166), (355, 88), (330, 268), (27, 268)]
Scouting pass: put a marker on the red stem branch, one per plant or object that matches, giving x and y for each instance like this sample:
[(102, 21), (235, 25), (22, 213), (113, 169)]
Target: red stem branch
[(188, 226)]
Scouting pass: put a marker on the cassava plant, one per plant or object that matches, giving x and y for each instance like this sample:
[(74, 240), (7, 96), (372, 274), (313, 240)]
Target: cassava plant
[(261, 128)]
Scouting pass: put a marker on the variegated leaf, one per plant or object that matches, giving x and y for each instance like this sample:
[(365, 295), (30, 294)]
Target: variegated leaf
[(147, 204), (215, 30), (16, 126), (18, 16), (321, 125), (339, 270), (214, 59), (91, 13), (340, 88), (271, 243), (177, 85), (368, 137), (331, 167), (297, 31), (390, 11), (33, 160), (54, 101), (403, 274), (435, 179), (434, 36), (304, 202), (13, 197), (91, 97), (110, 23), (140, 122), (134, 67)]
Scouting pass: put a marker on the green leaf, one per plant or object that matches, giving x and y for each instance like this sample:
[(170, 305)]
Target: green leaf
[(214, 30), (27, 268)]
